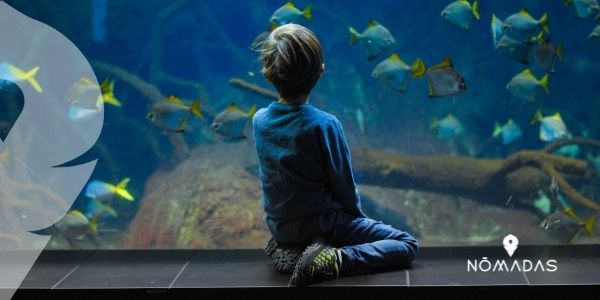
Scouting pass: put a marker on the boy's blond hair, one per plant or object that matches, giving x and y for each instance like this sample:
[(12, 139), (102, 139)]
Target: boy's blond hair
[(292, 60)]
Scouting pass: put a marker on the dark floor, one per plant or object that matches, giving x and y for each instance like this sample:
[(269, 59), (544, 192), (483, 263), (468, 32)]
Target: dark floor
[(169, 271)]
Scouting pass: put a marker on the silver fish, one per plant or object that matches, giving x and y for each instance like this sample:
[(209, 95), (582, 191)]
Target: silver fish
[(289, 13), (172, 114), (523, 27), (444, 80), (461, 13), (514, 49), (376, 39), (232, 121), (396, 73), (524, 85), (584, 8), (566, 225), (546, 52)]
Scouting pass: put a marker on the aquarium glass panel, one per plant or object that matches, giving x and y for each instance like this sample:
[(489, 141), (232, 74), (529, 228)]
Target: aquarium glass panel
[(466, 123)]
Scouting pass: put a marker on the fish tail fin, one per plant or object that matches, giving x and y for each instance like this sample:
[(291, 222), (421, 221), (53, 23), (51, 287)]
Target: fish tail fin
[(568, 2), (354, 35), (544, 23), (433, 124), (121, 190), (588, 226), (540, 37), (418, 68), (195, 108), (537, 117), (497, 130), (544, 83), (110, 99), (94, 224), (252, 111), (475, 7), (29, 76), (559, 51), (307, 13)]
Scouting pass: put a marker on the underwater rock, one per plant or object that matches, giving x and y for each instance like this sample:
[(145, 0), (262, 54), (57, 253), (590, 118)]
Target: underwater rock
[(208, 201)]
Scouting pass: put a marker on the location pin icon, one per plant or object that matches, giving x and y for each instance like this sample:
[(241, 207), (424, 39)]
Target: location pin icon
[(510, 243)]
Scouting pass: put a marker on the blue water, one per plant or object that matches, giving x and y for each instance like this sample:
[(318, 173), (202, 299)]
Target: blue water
[(208, 42)]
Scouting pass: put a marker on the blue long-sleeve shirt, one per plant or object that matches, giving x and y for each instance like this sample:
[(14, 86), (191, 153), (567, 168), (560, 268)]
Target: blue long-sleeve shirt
[(305, 170)]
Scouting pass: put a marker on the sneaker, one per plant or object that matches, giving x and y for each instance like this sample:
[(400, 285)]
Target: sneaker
[(318, 263), (285, 256)]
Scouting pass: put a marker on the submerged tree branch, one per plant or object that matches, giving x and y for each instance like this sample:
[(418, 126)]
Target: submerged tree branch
[(576, 140), (488, 180), (251, 87)]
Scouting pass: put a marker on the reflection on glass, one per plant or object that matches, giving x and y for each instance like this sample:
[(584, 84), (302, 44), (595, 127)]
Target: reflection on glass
[(457, 131)]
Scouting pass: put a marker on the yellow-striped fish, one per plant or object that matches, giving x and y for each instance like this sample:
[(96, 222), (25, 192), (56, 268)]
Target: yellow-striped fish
[(14, 74)]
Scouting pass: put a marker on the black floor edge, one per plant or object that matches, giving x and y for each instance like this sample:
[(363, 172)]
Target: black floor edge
[(534, 292)]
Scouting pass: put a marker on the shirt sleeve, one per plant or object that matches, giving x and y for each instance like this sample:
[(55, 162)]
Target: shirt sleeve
[(339, 168)]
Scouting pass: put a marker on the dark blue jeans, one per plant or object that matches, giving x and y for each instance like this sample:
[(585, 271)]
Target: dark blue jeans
[(368, 245)]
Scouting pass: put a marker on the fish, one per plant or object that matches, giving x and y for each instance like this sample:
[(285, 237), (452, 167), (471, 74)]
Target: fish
[(595, 161), (87, 98), (289, 13), (360, 119), (546, 52), (447, 127), (75, 225), (584, 8), (88, 95), (445, 80), (461, 13), (395, 72), (543, 203), (376, 39), (96, 208), (103, 191), (524, 84), (171, 114), (509, 131), (568, 150), (232, 121), (551, 127), (259, 40), (11, 73), (107, 88), (523, 27), (496, 29), (514, 49), (568, 225), (595, 34)]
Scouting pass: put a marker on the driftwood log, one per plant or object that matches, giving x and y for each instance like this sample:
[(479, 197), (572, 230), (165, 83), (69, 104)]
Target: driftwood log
[(245, 85), (493, 181)]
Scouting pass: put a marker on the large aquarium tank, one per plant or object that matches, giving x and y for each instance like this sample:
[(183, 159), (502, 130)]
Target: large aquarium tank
[(467, 121)]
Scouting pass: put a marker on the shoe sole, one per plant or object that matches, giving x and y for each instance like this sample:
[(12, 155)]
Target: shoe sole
[(307, 255)]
